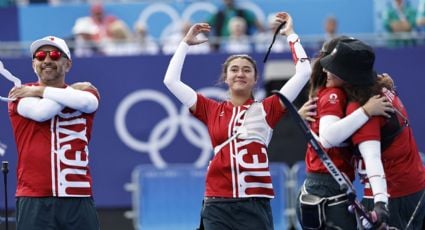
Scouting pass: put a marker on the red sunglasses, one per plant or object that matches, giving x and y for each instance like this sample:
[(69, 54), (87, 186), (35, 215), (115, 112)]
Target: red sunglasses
[(54, 55)]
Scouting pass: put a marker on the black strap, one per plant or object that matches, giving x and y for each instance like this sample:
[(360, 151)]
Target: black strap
[(219, 21), (274, 39), (5, 170), (201, 223), (392, 129)]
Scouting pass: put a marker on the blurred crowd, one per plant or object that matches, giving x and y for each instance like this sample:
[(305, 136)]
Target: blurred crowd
[(235, 30)]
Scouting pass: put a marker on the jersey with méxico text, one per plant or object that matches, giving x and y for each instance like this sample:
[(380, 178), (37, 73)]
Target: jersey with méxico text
[(240, 168), (332, 101), (403, 167), (53, 155)]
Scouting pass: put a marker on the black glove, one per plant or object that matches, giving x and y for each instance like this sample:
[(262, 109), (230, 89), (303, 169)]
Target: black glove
[(380, 215)]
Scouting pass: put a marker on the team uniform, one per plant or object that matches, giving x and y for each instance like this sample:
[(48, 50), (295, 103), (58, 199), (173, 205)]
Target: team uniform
[(240, 168), (404, 171), (53, 159), (331, 101), (238, 182), (238, 176)]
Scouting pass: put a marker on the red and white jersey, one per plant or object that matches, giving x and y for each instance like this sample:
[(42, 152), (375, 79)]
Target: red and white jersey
[(332, 101), (403, 167), (240, 168), (53, 155)]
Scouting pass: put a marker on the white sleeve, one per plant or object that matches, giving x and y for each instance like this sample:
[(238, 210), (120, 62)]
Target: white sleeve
[(293, 87), (183, 92), (334, 130), (80, 100), (371, 153), (38, 109)]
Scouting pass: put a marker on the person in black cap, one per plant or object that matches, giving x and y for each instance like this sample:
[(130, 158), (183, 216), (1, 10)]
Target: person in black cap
[(390, 164), (328, 104), (52, 124)]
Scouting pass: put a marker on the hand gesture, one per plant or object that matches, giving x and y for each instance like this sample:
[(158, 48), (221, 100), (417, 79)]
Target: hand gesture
[(197, 28), (26, 91), (378, 106), (82, 85), (379, 216), (308, 110), (288, 29)]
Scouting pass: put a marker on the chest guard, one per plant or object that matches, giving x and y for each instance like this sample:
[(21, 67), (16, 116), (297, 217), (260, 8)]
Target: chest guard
[(254, 125)]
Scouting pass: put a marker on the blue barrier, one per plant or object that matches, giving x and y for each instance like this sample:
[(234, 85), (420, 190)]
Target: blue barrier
[(298, 175), (168, 197), (9, 220), (280, 204), (173, 196)]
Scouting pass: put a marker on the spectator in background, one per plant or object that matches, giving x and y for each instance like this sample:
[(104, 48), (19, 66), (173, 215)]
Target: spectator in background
[(5, 3), (145, 43), (220, 20), (102, 21), (98, 19), (238, 40), (399, 21), (38, 1), (171, 42), (420, 16), (330, 28), (263, 39), (83, 32), (120, 41)]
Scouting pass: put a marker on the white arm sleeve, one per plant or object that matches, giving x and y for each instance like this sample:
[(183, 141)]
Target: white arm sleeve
[(333, 130), (80, 100), (183, 92), (293, 87), (38, 109), (371, 153)]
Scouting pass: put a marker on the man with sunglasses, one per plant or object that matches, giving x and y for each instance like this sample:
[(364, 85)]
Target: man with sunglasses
[(52, 124)]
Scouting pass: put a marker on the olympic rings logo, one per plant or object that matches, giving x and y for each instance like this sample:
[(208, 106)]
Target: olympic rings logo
[(188, 13), (193, 130)]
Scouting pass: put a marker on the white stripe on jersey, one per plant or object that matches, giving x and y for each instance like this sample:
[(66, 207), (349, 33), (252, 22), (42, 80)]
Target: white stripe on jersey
[(233, 120), (52, 155)]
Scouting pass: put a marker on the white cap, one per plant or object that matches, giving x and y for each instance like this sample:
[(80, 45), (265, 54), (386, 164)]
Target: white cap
[(52, 41), (85, 25)]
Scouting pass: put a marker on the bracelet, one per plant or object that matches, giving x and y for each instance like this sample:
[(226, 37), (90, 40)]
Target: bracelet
[(367, 114)]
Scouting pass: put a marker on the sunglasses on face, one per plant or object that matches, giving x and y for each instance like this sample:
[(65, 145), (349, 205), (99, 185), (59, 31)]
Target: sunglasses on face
[(53, 54)]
